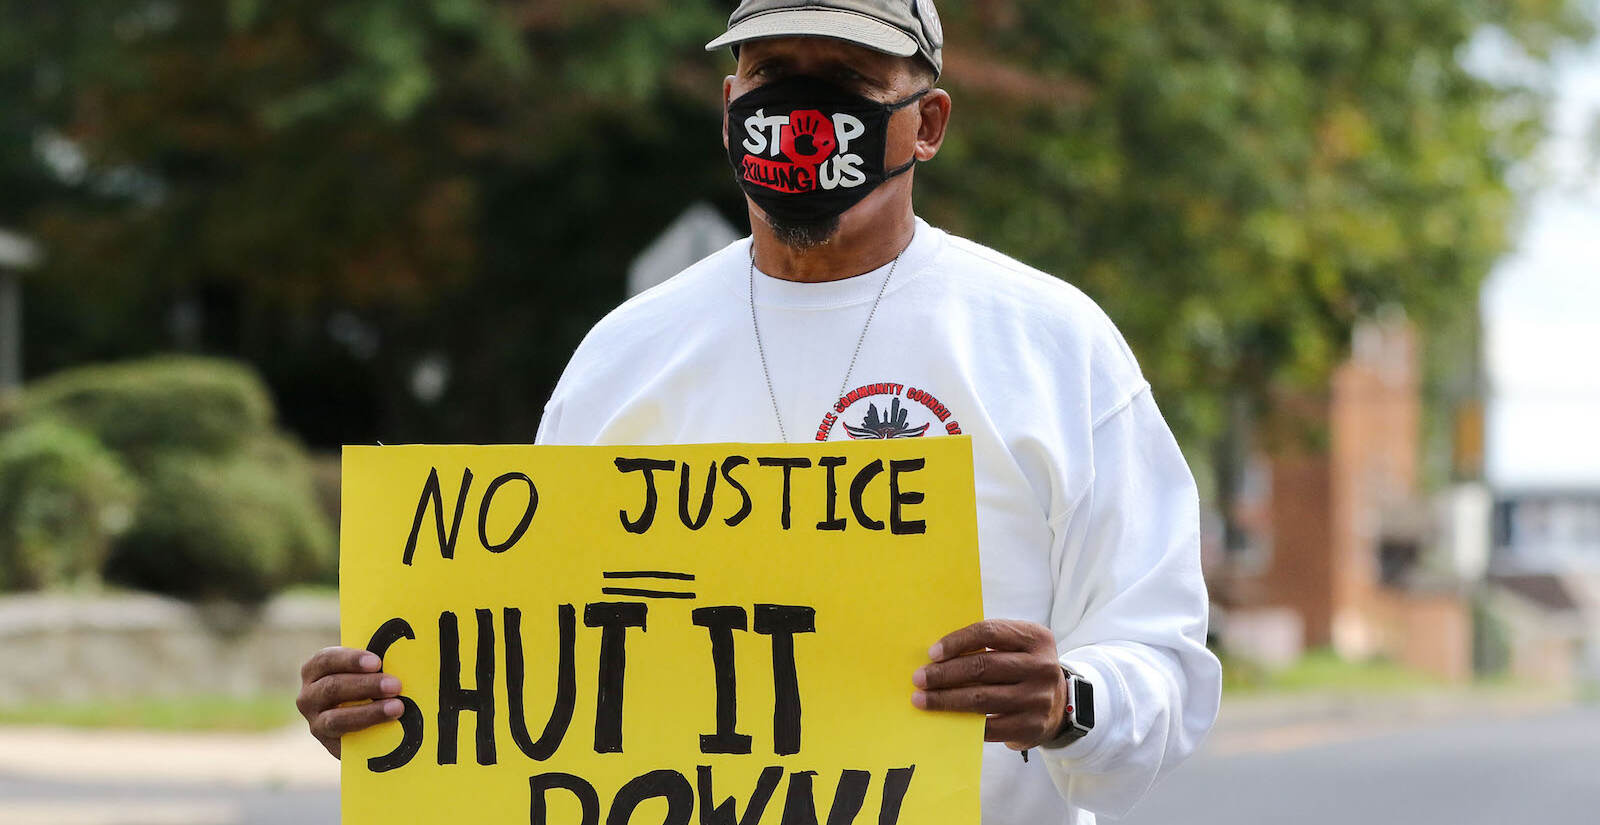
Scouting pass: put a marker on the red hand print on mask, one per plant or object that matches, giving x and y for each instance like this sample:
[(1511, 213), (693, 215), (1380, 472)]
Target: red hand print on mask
[(808, 139)]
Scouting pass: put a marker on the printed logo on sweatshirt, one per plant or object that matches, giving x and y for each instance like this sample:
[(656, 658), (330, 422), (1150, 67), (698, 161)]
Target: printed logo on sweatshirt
[(877, 411)]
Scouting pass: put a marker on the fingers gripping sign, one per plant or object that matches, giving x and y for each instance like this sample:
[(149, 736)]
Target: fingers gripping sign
[(343, 690), (1003, 668)]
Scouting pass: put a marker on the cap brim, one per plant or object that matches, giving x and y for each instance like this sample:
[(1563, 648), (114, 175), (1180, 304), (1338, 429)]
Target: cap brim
[(840, 25)]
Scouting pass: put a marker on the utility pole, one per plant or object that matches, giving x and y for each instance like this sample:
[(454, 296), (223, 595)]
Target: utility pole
[(17, 254)]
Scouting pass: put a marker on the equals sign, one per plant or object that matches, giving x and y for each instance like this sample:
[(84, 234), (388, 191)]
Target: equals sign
[(646, 592)]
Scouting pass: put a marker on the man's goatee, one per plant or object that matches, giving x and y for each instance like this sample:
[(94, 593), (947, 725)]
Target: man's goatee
[(803, 236)]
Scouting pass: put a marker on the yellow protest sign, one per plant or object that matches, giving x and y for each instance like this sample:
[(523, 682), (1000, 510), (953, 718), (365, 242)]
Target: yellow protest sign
[(672, 634)]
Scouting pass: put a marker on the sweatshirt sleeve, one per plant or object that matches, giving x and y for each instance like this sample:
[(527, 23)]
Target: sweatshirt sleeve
[(549, 424), (1130, 613)]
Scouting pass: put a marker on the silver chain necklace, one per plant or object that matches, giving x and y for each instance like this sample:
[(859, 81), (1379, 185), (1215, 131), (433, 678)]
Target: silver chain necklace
[(760, 350)]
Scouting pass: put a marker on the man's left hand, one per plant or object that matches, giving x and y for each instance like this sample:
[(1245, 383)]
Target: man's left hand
[(1003, 668)]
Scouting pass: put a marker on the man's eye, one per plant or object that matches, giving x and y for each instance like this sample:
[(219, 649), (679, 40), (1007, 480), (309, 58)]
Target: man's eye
[(856, 82)]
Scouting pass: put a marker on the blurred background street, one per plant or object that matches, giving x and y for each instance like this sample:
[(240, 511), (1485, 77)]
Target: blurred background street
[(1378, 760), (1355, 248), (1470, 770)]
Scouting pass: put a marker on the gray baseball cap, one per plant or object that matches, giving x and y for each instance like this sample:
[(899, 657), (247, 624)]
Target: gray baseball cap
[(897, 27)]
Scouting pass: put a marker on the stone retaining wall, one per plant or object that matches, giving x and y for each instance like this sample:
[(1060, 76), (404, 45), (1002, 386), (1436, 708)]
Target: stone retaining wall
[(79, 648)]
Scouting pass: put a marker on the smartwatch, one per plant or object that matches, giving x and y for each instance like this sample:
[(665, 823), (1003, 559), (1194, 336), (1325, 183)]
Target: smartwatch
[(1078, 719)]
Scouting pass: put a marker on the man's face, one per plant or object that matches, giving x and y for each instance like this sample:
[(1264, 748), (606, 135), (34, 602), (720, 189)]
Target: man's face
[(873, 75)]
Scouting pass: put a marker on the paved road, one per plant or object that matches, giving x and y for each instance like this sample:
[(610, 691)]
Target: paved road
[(1540, 769)]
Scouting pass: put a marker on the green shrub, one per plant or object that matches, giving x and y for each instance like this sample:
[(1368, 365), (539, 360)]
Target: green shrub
[(140, 409), (226, 507), (235, 527), (63, 498)]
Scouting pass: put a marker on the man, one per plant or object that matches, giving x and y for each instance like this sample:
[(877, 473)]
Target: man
[(844, 316)]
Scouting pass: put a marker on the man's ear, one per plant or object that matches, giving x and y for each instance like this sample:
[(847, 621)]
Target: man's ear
[(935, 110), (727, 91)]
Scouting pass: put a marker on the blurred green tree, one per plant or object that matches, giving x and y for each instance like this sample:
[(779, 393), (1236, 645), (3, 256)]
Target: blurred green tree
[(341, 191), (1239, 181)]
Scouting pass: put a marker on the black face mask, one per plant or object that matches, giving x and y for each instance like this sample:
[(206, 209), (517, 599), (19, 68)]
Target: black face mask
[(806, 150)]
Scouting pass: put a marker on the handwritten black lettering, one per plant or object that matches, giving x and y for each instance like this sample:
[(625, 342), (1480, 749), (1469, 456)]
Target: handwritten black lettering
[(858, 491), (648, 466), (410, 716), (799, 804), (781, 622), (895, 785), (898, 525), (555, 729), (727, 812), (432, 495), (728, 465), (788, 464), (666, 784), (453, 699), (588, 800), (721, 622), (483, 512), (613, 619), (832, 522), (698, 521), (849, 796)]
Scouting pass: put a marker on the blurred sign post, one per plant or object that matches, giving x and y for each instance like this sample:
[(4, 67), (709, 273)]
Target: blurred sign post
[(696, 233), (586, 632), (17, 254)]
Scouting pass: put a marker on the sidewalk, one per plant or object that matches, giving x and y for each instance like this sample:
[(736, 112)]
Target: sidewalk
[(284, 758), (1280, 722)]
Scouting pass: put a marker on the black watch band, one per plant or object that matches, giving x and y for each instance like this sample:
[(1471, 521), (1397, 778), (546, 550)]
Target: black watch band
[(1078, 719)]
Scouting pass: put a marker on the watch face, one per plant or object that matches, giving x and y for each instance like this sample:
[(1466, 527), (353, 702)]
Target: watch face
[(1084, 704)]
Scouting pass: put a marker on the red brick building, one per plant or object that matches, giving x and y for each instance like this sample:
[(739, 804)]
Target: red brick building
[(1336, 528)]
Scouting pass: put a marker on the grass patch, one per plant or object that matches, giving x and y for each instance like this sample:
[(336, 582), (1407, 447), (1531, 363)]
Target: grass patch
[(192, 713), (1321, 670), (311, 589)]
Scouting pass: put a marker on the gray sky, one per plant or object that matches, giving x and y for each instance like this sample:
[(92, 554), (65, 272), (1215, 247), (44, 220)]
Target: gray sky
[(1541, 306)]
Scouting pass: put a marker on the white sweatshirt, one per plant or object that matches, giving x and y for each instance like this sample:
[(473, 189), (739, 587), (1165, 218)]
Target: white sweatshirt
[(1087, 514)]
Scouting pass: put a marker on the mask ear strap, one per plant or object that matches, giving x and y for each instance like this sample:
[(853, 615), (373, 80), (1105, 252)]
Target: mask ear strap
[(905, 167), (909, 100)]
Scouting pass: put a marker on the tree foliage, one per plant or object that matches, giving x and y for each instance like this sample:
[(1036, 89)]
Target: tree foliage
[(1239, 181), (341, 191)]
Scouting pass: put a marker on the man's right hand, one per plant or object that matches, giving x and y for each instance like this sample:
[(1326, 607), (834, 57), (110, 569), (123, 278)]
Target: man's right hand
[(340, 675)]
